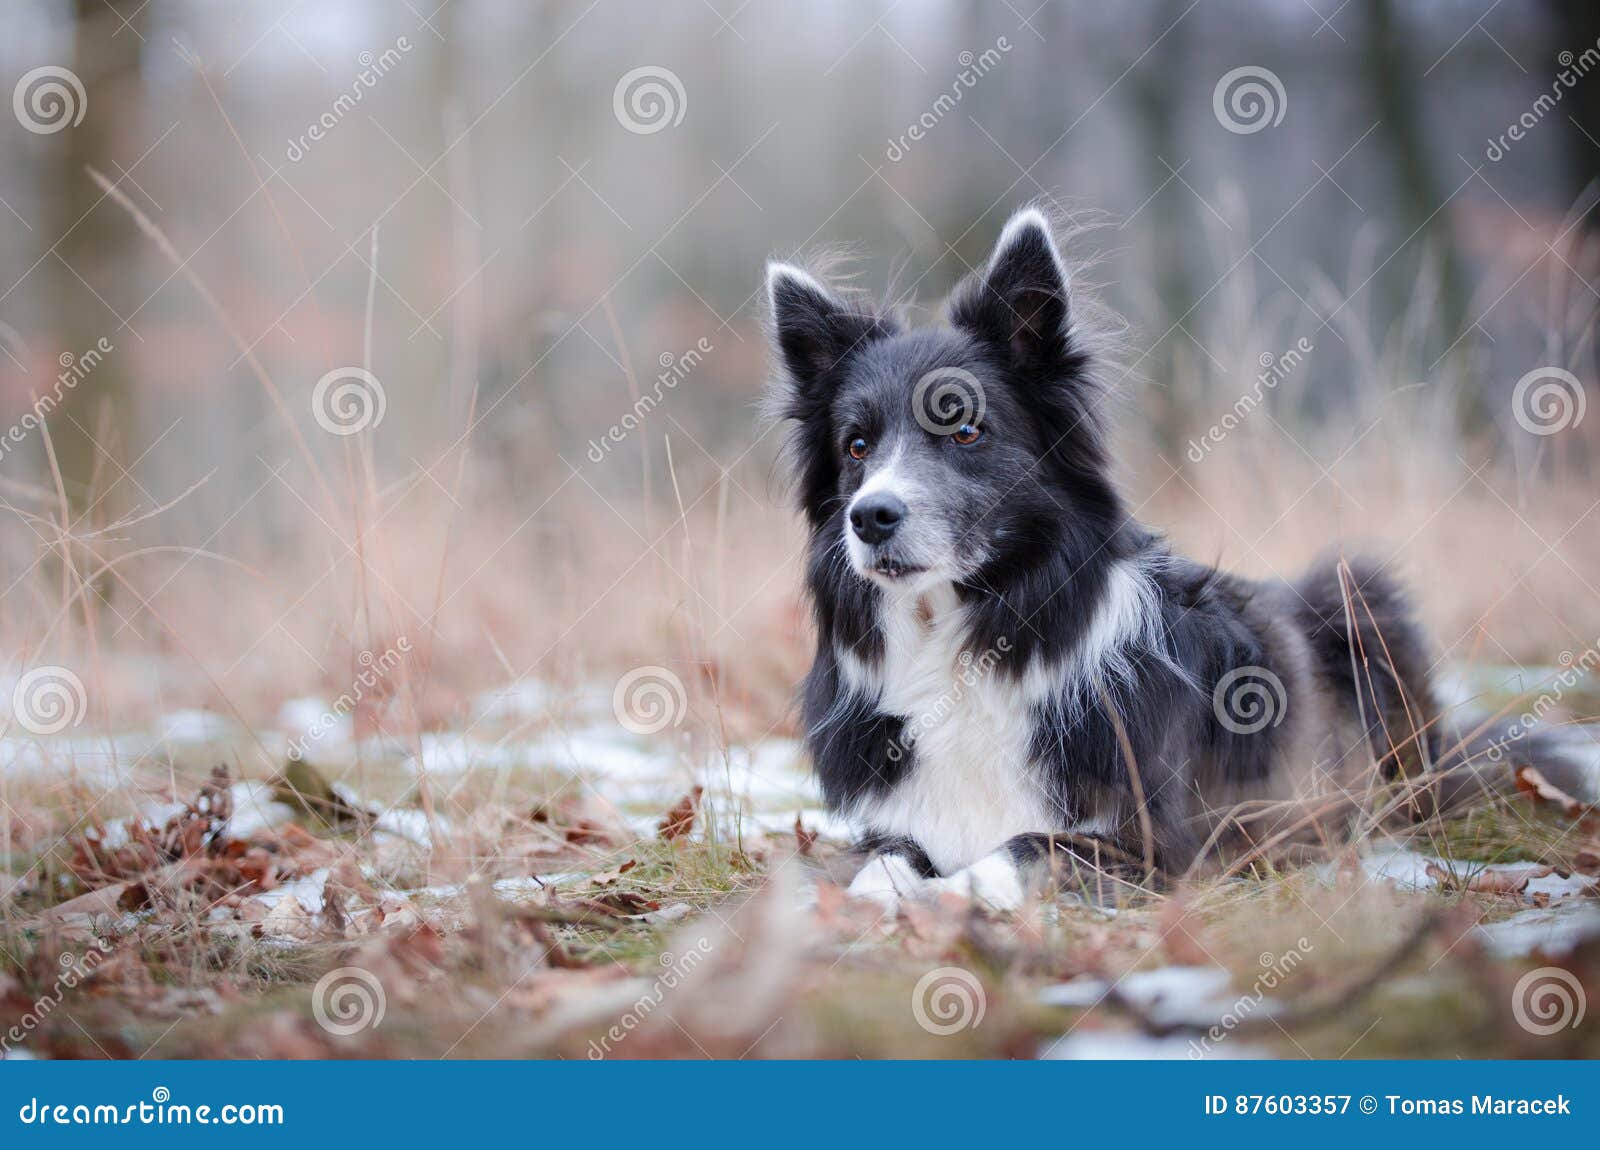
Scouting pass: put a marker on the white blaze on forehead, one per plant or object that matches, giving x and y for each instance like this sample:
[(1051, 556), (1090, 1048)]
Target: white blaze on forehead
[(890, 475)]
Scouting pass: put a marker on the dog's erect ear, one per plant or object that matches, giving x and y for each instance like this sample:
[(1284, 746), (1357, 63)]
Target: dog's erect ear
[(1020, 300), (815, 330)]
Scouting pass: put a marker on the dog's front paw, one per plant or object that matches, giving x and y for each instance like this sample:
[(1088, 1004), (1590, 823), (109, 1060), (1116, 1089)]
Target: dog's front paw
[(993, 880), (885, 880)]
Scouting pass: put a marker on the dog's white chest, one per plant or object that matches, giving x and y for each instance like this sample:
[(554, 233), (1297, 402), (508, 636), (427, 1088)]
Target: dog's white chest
[(967, 724)]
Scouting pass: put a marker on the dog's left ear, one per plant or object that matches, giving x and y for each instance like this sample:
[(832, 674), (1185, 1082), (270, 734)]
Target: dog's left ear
[(1019, 301)]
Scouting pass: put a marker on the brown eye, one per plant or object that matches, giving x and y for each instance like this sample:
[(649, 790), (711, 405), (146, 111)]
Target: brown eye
[(858, 449), (967, 434)]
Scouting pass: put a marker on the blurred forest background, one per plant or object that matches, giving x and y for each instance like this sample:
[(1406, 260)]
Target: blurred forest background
[(514, 239)]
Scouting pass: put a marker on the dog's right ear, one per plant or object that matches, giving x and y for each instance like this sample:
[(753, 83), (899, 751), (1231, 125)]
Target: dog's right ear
[(815, 331)]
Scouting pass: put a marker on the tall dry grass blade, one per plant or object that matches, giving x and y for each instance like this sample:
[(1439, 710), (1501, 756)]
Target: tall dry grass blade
[(181, 266)]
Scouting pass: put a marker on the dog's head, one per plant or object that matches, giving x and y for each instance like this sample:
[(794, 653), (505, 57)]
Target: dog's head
[(945, 454)]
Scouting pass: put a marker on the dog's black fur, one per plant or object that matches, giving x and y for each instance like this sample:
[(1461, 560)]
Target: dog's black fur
[(1023, 538)]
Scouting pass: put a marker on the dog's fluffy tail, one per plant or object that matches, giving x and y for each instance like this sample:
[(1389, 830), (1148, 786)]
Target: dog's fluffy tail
[(1372, 652)]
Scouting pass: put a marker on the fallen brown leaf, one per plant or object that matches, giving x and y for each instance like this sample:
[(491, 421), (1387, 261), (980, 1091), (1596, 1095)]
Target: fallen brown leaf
[(1531, 782), (804, 839), (620, 902), (1489, 881), (1588, 857), (679, 820)]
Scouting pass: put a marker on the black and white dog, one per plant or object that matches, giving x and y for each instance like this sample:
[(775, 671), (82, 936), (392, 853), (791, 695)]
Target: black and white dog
[(1004, 655)]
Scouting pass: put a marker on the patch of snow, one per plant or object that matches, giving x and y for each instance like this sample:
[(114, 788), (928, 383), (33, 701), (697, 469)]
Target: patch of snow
[(1570, 918), (1122, 1045), (308, 891), (301, 714), (1549, 930), (195, 726), (410, 824), (1169, 994), (450, 753), (523, 884), (255, 810), (1408, 870), (520, 701), (1557, 887), (631, 769), (104, 762), (769, 771), (673, 912), (1403, 868), (1199, 995)]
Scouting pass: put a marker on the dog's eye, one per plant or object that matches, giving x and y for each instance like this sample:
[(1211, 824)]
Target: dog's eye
[(858, 448), (967, 434)]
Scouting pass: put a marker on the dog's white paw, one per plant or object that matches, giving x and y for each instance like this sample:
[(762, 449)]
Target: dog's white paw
[(885, 880), (994, 879)]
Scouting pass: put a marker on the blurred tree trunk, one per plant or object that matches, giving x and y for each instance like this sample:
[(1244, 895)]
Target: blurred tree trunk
[(1157, 92), (1392, 75), (97, 249), (1575, 27)]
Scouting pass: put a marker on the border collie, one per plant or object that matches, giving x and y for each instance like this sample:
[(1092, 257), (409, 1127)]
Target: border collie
[(1010, 666)]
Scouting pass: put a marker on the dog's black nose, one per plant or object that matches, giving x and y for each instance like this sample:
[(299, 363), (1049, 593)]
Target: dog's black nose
[(875, 517)]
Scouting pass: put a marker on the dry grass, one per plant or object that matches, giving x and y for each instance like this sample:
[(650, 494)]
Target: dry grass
[(568, 582)]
